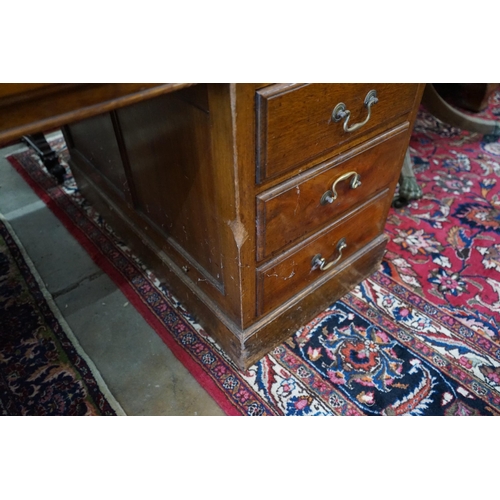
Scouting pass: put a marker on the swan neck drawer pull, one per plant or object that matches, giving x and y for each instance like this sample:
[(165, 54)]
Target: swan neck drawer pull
[(320, 262), (331, 195), (341, 113)]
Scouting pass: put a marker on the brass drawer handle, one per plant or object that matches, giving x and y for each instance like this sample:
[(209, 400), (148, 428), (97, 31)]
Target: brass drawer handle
[(331, 195), (340, 112), (318, 261)]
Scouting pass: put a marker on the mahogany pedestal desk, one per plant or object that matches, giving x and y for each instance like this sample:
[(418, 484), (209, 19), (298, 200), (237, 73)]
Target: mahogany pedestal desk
[(258, 204)]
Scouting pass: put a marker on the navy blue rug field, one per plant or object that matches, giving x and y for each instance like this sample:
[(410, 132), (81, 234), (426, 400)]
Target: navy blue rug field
[(43, 370)]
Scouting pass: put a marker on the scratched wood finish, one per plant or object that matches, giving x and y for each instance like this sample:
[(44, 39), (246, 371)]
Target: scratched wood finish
[(193, 211), (293, 209), (287, 318), (167, 142), (294, 121), (281, 278), (180, 189)]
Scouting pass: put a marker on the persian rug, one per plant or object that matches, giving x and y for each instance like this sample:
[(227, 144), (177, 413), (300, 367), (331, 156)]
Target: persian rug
[(43, 369), (419, 337)]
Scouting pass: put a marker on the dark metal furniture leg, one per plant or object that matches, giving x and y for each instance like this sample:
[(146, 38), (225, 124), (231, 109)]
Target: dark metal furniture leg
[(47, 155)]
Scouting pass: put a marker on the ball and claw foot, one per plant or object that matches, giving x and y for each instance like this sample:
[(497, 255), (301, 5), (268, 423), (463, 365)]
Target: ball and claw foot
[(408, 185)]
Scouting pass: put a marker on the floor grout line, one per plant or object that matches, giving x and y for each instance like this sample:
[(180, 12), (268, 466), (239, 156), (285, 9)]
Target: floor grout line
[(27, 209), (73, 286)]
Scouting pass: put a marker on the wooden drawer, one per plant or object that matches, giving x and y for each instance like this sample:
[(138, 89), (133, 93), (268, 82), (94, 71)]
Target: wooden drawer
[(294, 209), (294, 121), (285, 276)]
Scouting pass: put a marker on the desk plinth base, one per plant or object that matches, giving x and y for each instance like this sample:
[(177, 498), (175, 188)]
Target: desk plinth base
[(243, 346)]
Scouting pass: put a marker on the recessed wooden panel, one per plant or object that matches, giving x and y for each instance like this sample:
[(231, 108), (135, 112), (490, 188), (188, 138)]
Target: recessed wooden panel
[(293, 209), (95, 139), (168, 146), (283, 277), (294, 122)]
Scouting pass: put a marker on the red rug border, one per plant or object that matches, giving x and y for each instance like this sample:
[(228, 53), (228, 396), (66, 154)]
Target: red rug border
[(204, 380)]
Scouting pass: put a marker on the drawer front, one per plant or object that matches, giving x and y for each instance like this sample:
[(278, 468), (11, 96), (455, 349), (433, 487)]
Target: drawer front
[(282, 278), (295, 125), (297, 207)]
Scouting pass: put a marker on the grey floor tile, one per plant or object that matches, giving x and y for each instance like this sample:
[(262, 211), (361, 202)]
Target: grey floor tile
[(13, 192), (58, 257), (139, 369)]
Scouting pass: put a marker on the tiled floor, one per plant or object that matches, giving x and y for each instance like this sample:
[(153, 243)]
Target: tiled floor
[(139, 369)]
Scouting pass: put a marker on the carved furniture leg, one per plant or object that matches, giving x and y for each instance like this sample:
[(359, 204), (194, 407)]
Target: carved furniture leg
[(46, 154), (408, 186), (437, 106)]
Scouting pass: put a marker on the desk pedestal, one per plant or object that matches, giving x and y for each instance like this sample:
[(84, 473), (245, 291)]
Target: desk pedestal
[(196, 183)]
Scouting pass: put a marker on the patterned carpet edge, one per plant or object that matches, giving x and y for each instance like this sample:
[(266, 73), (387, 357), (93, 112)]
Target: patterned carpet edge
[(64, 324)]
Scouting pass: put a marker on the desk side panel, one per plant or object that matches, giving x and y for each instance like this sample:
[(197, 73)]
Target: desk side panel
[(167, 142), (178, 203)]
